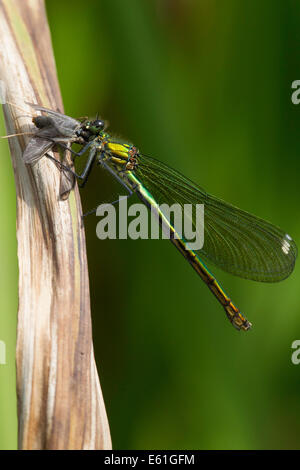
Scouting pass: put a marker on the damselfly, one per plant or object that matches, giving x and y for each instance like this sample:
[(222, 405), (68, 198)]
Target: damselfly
[(234, 240)]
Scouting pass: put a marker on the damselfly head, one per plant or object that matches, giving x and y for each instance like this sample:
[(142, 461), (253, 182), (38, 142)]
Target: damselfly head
[(96, 126), (91, 128)]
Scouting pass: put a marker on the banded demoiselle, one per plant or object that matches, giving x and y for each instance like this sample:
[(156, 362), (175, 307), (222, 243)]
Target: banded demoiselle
[(234, 240)]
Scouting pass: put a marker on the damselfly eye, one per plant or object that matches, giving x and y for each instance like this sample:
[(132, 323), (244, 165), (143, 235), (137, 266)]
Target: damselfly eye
[(98, 123)]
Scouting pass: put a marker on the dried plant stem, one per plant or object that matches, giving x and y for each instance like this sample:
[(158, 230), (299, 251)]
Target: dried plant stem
[(60, 404)]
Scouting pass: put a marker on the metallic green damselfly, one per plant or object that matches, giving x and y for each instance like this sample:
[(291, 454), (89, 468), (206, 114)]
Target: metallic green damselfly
[(234, 240)]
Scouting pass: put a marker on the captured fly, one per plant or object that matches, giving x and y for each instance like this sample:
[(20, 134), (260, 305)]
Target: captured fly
[(60, 131), (52, 129)]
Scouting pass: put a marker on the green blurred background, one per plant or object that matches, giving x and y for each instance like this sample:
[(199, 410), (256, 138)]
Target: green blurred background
[(205, 86)]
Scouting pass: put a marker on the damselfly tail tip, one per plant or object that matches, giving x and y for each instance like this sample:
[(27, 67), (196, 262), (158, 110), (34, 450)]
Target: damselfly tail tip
[(241, 323), (236, 318), (247, 325)]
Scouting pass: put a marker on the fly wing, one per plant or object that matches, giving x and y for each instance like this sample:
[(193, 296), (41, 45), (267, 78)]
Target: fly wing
[(39, 144), (234, 240), (67, 178), (64, 125), (67, 183)]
